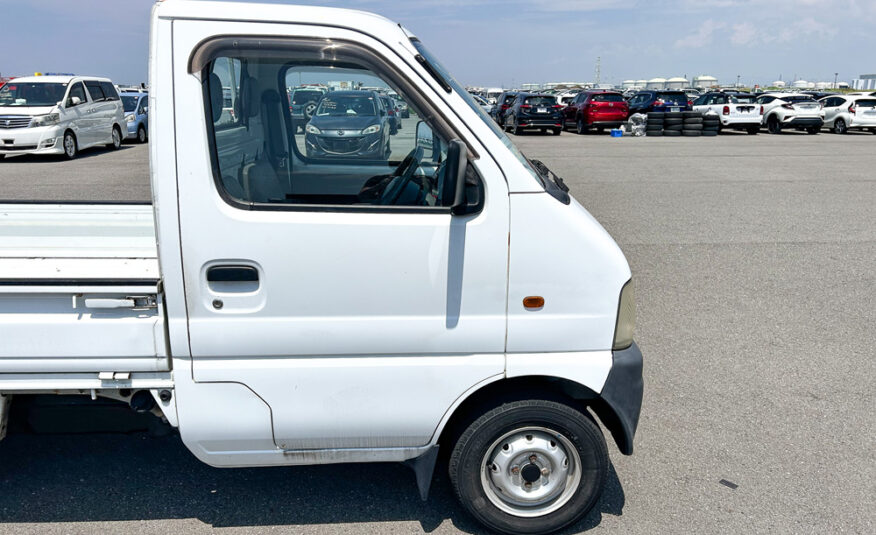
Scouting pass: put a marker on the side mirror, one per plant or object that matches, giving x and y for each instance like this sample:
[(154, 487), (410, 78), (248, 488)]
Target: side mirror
[(455, 185), (75, 101), (145, 109), (425, 140)]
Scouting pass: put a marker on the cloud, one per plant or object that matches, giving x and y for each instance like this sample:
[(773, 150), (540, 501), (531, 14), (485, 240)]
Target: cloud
[(744, 34), (703, 36)]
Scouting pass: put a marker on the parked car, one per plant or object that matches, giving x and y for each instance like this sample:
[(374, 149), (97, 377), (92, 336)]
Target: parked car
[(660, 101), (736, 111), (790, 110), (492, 94), (482, 102), (59, 115), (503, 102), (595, 109), (302, 103), (136, 107), (395, 122), (352, 124), (533, 110), (565, 98), (403, 108), (847, 112)]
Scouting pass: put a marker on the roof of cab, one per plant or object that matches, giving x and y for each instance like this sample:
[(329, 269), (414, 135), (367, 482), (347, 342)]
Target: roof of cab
[(247, 12)]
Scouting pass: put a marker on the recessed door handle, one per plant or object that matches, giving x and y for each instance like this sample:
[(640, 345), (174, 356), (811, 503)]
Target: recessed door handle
[(232, 274)]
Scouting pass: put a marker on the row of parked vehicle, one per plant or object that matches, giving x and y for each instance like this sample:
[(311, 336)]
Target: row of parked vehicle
[(66, 114), (604, 109)]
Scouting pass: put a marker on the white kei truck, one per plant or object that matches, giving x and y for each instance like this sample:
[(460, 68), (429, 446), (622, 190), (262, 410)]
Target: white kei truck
[(285, 309)]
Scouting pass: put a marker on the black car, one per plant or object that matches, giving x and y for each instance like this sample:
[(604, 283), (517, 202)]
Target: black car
[(531, 110), (659, 100), (349, 124), (502, 104), (395, 122)]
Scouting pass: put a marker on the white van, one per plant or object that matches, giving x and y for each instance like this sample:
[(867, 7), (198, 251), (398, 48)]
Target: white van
[(288, 307), (59, 115)]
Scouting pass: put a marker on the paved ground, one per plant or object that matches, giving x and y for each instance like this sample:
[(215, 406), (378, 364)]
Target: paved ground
[(753, 259)]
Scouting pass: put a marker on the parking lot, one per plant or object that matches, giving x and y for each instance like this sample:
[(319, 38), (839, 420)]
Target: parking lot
[(753, 263)]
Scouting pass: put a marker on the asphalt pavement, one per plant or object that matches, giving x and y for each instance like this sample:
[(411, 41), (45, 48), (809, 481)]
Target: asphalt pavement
[(753, 263)]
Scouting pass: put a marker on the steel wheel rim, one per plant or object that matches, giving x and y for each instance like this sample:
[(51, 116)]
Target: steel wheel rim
[(69, 145), (530, 472), (117, 140)]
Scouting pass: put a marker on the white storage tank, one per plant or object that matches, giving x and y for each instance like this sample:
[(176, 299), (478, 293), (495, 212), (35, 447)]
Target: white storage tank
[(628, 84), (676, 83), (705, 82), (656, 83), (780, 84), (801, 84)]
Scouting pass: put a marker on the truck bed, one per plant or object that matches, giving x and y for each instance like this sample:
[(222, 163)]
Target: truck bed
[(69, 275)]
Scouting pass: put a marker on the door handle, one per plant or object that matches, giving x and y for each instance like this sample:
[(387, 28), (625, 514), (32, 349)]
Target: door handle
[(232, 274)]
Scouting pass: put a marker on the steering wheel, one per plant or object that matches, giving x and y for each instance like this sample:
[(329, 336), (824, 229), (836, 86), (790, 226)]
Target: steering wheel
[(403, 175)]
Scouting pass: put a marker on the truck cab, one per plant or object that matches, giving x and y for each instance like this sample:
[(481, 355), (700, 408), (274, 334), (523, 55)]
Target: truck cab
[(445, 296)]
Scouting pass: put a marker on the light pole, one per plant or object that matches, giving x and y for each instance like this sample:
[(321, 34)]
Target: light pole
[(834, 79), (737, 81)]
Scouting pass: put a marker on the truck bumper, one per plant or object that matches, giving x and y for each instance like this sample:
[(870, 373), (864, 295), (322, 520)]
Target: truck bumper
[(621, 397)]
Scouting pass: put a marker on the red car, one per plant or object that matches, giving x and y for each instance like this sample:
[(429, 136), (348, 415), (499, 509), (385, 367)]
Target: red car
[(596, 109)]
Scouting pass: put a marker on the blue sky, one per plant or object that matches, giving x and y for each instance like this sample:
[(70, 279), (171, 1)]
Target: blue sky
[(492, 42)]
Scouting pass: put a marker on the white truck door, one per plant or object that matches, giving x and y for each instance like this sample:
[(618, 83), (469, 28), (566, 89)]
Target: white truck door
[(323, 269)]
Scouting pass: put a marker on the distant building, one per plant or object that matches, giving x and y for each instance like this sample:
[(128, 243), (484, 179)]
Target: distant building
[(801, 84), (705, 82), (780, 84), (864, 82), (530, 87), (628, 84)]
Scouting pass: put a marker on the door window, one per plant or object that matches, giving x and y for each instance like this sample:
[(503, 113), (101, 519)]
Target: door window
[(76, 91), (109, 91), (95, 91), (349, 151)]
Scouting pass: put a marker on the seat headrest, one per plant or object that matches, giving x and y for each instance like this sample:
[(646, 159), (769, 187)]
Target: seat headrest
[(217, 99)]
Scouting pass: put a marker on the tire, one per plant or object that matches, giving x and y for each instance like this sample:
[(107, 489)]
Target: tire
[(117, 138), (672, 133), (673, 121), (714, 121), (309, 107), (773, 125), (581, 127), (692, 115), (676, 127), (812, 130), (514, 128), (657, 115), (557, 131), (654, 133), (710, 133), (387, 151), (693, 120), (2, 157), (693, 127), (873, 130), (674, 115), (839, 127), (753, 130), (558, 436), (71, 146), (691, 133), (141, 134)]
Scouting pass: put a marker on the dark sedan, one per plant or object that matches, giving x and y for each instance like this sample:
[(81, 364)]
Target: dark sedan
[(349, 124)]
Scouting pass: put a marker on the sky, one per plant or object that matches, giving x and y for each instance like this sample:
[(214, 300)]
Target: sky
[(508, 42)]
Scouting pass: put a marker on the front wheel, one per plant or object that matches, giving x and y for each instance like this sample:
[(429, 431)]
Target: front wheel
[(529, 467), (141, 135), (839, 127), (71, 148)]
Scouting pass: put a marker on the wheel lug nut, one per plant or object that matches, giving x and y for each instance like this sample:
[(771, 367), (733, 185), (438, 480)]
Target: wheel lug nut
[(532, 458), (515, 470), (528, 485), (545, 472)]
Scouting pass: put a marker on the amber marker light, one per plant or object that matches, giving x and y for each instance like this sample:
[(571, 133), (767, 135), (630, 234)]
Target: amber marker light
[(533, 302)]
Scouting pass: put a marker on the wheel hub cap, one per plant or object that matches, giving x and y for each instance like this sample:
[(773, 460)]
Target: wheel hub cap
[(531, 472)]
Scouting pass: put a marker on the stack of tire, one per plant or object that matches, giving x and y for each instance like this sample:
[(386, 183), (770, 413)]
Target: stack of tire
[(711, 124), (654, 125), (692, 125), (673, 122)]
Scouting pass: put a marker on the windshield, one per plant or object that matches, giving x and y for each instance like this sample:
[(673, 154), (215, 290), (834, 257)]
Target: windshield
[(31, 94), (741, 99), (301, 97), (466, 96), (346, 105), (675, 98), (130, 103), (608, 97), (541, 101)]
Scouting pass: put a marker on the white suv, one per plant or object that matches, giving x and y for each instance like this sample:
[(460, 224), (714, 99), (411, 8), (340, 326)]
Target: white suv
[(791, 110), (59, 115), (845, 112), (737, 111)]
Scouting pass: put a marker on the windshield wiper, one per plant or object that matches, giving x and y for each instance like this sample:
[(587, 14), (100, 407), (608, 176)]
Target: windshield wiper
[(547, 174)]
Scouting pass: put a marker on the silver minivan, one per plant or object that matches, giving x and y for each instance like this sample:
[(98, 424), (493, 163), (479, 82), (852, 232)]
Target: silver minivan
[(59, 115)]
